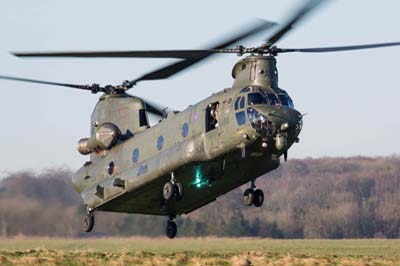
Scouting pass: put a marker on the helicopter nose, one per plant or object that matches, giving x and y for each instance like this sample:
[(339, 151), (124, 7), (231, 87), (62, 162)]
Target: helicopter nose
[(289, 127), (284, 118), (287, 123), (296, 119)]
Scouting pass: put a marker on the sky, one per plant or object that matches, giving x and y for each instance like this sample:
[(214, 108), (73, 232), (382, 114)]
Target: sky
[(351, 98)]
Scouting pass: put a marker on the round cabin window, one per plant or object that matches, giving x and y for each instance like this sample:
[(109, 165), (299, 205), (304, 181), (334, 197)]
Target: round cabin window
[(185, 130), (135, 155), (111, 168), (160, 143)]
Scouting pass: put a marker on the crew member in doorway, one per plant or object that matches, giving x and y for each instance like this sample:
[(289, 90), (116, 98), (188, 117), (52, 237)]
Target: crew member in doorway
[(215, 113)]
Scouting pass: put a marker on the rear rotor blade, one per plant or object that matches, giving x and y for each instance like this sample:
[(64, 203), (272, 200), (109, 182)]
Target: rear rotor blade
[(81, 87), (337, 48), (168, 71), (178, 54), (297, 16)]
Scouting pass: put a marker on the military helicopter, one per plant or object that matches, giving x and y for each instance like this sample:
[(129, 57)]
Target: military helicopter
[(188, 158)]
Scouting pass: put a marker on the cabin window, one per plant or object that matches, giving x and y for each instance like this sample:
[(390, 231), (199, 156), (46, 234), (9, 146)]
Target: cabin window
[(143, 121), (185, 130), (212, 116), (135, 155), (160, 142), (111, 168)]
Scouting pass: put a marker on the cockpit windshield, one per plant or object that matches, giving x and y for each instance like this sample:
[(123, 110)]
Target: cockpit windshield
[(262, 98), (257, 95), (256, 98)]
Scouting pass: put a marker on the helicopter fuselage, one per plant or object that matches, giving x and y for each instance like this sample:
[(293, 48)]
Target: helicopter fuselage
[(212, 147)]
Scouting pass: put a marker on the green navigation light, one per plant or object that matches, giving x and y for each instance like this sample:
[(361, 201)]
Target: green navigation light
[(198, 181)]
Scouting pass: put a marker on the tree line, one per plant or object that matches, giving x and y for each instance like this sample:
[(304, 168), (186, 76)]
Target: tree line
[(355, 197)]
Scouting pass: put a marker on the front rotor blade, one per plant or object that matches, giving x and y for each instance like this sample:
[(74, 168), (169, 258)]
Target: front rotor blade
[(174, 68), (297, 16), (337, 48), (81, 87)]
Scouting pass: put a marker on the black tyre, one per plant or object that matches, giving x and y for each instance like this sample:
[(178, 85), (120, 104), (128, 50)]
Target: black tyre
[(248, 197), (178, 191), (168, 191), (171, 229), (88, 222), (258, 198)]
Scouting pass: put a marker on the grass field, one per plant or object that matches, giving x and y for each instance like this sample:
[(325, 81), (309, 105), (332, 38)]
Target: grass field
[(197, 251)]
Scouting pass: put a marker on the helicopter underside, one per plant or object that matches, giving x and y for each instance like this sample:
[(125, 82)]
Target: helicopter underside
[(203, 182)]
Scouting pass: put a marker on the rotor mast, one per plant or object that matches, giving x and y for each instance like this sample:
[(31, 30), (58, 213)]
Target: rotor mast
[(256, 70)]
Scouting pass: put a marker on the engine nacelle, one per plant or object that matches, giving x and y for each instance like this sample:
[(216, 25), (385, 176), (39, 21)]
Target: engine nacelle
[(105, 137)]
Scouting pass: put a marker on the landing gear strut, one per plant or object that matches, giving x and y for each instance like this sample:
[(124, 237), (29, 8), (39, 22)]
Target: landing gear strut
[(252, 196), (171, 228), (88, 222)]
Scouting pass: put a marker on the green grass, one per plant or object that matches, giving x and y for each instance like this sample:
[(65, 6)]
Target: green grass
[(189, 251)]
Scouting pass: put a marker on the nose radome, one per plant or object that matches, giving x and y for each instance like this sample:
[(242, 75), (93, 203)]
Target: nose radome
[(280, 116), (296, 118), (285, 119)]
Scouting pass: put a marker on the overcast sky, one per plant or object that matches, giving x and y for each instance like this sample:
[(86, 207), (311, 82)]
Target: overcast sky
[(351, 97)]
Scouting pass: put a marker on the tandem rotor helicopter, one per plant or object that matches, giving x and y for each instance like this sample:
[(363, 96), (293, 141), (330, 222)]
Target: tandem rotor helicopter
[(191, 157)]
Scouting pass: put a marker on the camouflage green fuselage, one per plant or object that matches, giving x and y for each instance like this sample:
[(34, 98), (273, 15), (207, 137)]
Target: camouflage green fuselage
[(207, 163)]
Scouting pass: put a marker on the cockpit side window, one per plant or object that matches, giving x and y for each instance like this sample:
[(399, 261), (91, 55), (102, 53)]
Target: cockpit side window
[(237, 103), (286, 100), (272, 99), (239, 112), (283, 99), (290, 101), (242, 102)]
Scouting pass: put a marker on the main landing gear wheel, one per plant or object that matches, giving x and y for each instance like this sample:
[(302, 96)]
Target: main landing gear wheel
[(171, 229), (248, 197), (258, 198), (88, 222), (252, 196), (178, 191), (172, 191), (168, 190)]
